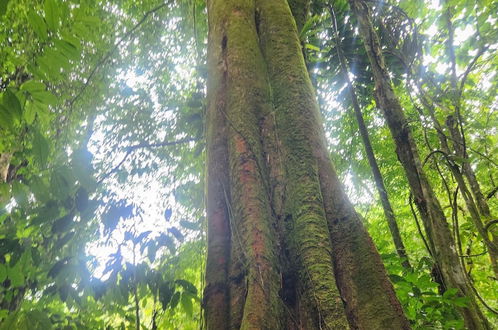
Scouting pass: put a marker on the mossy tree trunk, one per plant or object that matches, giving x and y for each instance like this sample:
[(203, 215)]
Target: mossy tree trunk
[(286, 250), (441, 241)]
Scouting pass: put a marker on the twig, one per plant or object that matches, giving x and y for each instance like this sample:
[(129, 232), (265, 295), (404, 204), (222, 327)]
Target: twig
[(115, 168), (463, 77), (491, 193), (489, 224)]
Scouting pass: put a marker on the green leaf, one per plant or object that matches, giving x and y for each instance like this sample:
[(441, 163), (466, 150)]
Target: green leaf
[(20, 192), (16, 276), (312, 47), (187, 304), (81, 199), (67, 49), (6, 118), (57, 267), (44, 97), (40, 319), (41, 149), (165, 294), (12, 104), (151, 251), (62, 183), (81, 163), (64, 292), (29, 114), (33, 86), (175, 299), (3, 272), (38, 25), (175, 232), (4, 195), (450, 293), (39, 188), (3, 7), (187, 286), (52, 14), (460, 301), (63, 224), (189, 225), (164, 240), (72, 40), (396, 278), (50, 66)]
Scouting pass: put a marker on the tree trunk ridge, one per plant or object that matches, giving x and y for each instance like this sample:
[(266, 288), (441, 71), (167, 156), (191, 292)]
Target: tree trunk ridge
[(286, 250)]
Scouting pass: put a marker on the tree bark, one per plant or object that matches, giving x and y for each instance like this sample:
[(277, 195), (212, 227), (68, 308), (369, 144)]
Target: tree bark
[(286, 250), (4, 166), (440, 238)]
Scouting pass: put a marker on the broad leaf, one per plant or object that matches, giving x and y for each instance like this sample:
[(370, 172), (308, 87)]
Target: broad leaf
[(52, 14), (41, 149)]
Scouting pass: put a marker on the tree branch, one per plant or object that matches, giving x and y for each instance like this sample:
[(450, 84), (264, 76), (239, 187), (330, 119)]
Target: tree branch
[(463, 77), (492, 192), (160, 144), (132, 148)]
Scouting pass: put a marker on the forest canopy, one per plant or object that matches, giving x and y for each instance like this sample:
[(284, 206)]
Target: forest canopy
[(105, 136)]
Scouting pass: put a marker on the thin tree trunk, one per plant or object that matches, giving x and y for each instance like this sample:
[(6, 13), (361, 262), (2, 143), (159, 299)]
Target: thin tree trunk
[(455, 126), (475, 214), (285, 248), (432, 215), (4, 166), (480, 206), (372, 161)]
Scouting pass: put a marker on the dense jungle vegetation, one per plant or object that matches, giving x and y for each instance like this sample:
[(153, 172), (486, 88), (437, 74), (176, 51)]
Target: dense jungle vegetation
[(117, 116)]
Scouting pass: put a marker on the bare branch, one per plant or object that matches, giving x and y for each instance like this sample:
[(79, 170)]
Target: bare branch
[(160, 144), (463, 77)]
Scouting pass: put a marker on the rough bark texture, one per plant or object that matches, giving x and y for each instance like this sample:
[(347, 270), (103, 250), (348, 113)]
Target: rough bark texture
[(299, 9), (4, 166), (441, 241), (286, 250)]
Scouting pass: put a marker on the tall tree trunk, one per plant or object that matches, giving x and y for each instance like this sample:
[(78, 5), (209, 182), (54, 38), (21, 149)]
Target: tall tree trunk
[(286, 250), (372, 161), (442, 243), (477, 208), (4, 166)]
